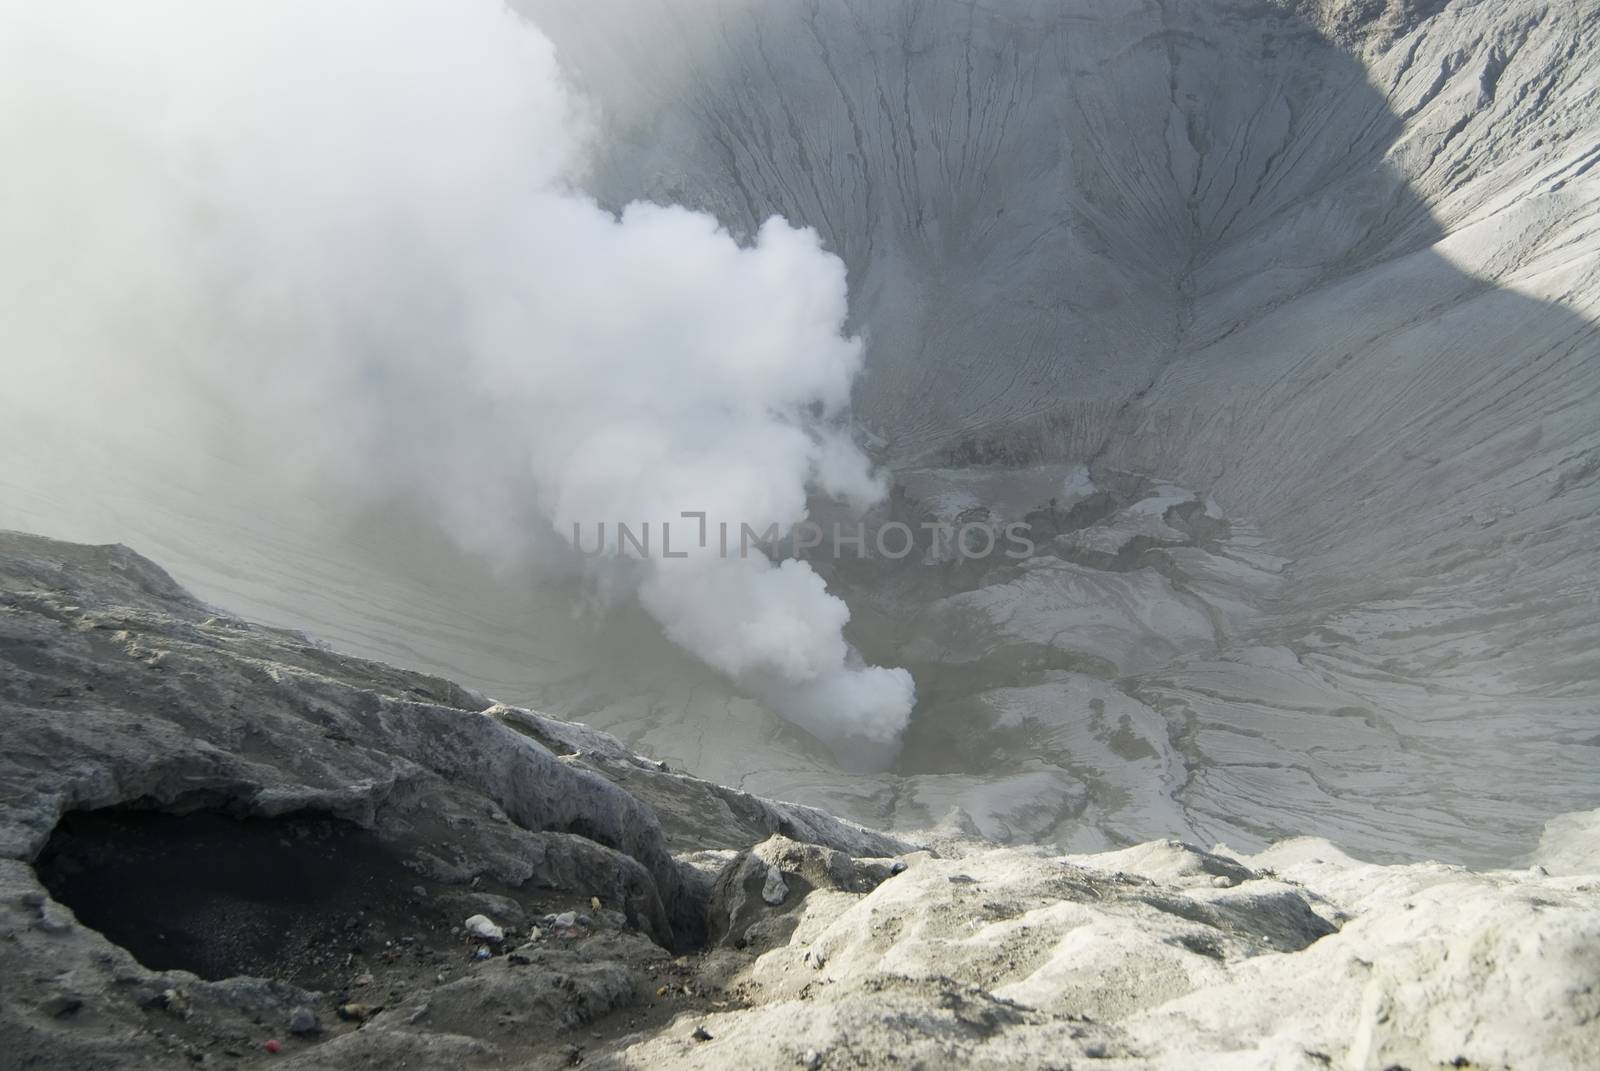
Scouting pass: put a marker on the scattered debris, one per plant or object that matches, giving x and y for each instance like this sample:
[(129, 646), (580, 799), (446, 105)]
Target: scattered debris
[(175, 1002), (357, 1013)]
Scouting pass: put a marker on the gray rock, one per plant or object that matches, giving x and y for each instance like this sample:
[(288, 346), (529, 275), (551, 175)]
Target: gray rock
[(171, 738), (304, 1022), (774, 889), (1045, 961), (775, 876), (484, 929)]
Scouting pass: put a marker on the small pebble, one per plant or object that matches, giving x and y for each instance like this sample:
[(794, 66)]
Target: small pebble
[(303, 1021), (701, 1034)]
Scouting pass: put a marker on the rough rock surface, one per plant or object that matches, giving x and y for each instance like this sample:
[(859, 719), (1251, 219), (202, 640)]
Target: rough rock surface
[(1166, 956), (226, 846), (122, 690)]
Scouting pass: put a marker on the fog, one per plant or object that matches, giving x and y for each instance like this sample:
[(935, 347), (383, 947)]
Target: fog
[(335, 254)]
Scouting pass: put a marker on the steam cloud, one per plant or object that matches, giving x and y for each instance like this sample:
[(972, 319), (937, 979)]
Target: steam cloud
[(342, 240)]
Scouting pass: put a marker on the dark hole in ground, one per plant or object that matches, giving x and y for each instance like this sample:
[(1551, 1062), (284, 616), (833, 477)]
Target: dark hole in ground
[(297, 898)]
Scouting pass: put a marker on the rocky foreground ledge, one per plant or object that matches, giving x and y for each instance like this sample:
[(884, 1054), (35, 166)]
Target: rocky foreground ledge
[(223, 845)]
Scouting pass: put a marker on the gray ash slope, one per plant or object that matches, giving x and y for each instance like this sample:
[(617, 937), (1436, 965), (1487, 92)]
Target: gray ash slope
[(153, 742), (1333, 264)]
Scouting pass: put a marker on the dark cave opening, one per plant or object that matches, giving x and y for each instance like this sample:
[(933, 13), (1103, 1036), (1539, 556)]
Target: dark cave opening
[(296, 898)]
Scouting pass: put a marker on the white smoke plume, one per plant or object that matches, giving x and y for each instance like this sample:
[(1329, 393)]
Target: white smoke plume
[(342, 241)]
